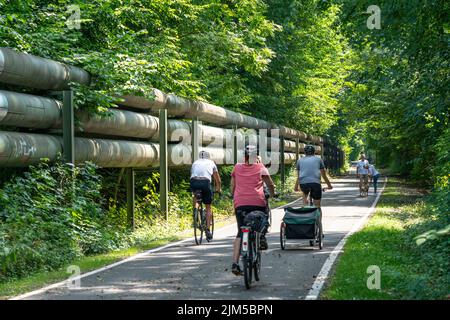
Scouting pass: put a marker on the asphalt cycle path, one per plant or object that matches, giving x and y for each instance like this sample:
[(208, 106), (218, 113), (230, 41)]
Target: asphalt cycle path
[(184, 270)]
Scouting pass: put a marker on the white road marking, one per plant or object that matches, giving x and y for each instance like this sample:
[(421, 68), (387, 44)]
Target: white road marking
[(313, 294)]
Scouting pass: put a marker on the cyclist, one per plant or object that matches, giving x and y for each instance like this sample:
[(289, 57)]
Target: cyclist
[(374, 175), (309, 170), (201, 172), (362, 171), (247, 180)]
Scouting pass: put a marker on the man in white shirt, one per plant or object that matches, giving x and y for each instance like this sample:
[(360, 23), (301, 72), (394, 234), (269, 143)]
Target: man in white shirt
[(374, 175), (202, 172), (362, 170)]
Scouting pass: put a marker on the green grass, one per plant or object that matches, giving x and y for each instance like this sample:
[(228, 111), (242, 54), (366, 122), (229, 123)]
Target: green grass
[(387, 241)]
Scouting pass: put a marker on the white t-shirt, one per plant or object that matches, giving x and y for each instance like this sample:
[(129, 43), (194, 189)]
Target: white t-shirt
[(372, 170), (361, 169), (203, 168)]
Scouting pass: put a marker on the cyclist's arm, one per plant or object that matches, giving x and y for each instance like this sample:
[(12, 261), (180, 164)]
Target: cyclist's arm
[(297, 178), (218, 182), (324, 175), (270, 184), (297, 181)]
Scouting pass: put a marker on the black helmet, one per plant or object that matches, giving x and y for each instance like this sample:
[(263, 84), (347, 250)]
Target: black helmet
[(310, 150)]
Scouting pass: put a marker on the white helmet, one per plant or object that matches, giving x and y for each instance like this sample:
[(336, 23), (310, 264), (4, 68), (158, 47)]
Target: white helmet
[(251, 150), (203, 154)]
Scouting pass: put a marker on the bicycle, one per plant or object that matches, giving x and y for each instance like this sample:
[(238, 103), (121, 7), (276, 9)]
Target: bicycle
[(363, 185), (255, 223), (199, 216)]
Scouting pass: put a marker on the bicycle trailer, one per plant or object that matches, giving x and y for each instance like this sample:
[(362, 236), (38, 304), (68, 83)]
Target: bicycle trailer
[(301, 222)]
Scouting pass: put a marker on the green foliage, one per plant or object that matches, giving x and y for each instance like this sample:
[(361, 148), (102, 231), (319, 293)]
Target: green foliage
[(48, 216), (196, 49), (397, 94), (302, 84), (312, 65)]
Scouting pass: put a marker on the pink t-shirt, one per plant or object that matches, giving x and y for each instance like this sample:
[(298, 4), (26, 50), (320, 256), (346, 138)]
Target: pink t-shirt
[(249, 190)]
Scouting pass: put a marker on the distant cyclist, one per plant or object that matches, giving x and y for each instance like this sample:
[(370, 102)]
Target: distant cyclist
[(374, 175), (247, 188), (362, 170), (309, 170), (201, 172)]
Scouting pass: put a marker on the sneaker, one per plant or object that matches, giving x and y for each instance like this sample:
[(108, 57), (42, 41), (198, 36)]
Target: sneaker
[(263, 243), (208, 235), (236, 269)]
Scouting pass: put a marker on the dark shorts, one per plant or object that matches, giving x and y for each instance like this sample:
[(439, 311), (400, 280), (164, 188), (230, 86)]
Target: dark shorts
[(314, 188), (205, 187), (240, 213)]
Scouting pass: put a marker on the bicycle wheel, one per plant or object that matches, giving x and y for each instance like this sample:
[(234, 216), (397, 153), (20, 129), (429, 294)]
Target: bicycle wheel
[(319, 233), (198, 228), (320, 236), (270, 220), (283, 236), (257, 261), (248, 265)]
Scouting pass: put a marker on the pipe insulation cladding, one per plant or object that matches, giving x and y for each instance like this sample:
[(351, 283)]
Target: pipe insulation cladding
[(181, 107), (23, 149), (23, 69), (30, 111), (26, 70)]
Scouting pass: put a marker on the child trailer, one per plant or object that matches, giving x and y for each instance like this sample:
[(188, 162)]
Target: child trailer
[(302, 223)]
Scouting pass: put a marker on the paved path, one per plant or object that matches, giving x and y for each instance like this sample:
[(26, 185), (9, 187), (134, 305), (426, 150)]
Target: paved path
[(188, 271)]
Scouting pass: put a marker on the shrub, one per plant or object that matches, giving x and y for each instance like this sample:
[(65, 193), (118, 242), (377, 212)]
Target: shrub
[(50, 216)]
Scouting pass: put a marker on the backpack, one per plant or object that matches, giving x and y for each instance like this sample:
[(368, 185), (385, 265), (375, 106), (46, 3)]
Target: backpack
[(257, 221)]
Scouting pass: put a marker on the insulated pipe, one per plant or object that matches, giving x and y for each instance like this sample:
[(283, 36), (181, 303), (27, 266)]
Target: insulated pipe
[(180, 154), (186, 108), (181, 107), (25, 110), (216, 136), (23, 149), (23, 69), (27, 70), (292, 133), (30, 111), (120, 123), (116, 153)]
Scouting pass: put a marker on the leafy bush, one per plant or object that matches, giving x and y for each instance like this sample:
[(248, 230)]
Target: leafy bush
[(49, 216)]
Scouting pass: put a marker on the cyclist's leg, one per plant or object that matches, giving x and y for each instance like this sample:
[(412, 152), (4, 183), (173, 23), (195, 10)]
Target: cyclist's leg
[(237, 243), (208, 215), (305, 191), (194, 201), (194, 187), (207, 200), (375, 182), (316, 194)]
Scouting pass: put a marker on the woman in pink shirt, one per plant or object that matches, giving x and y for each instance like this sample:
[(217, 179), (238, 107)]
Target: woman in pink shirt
[(247, 188)]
